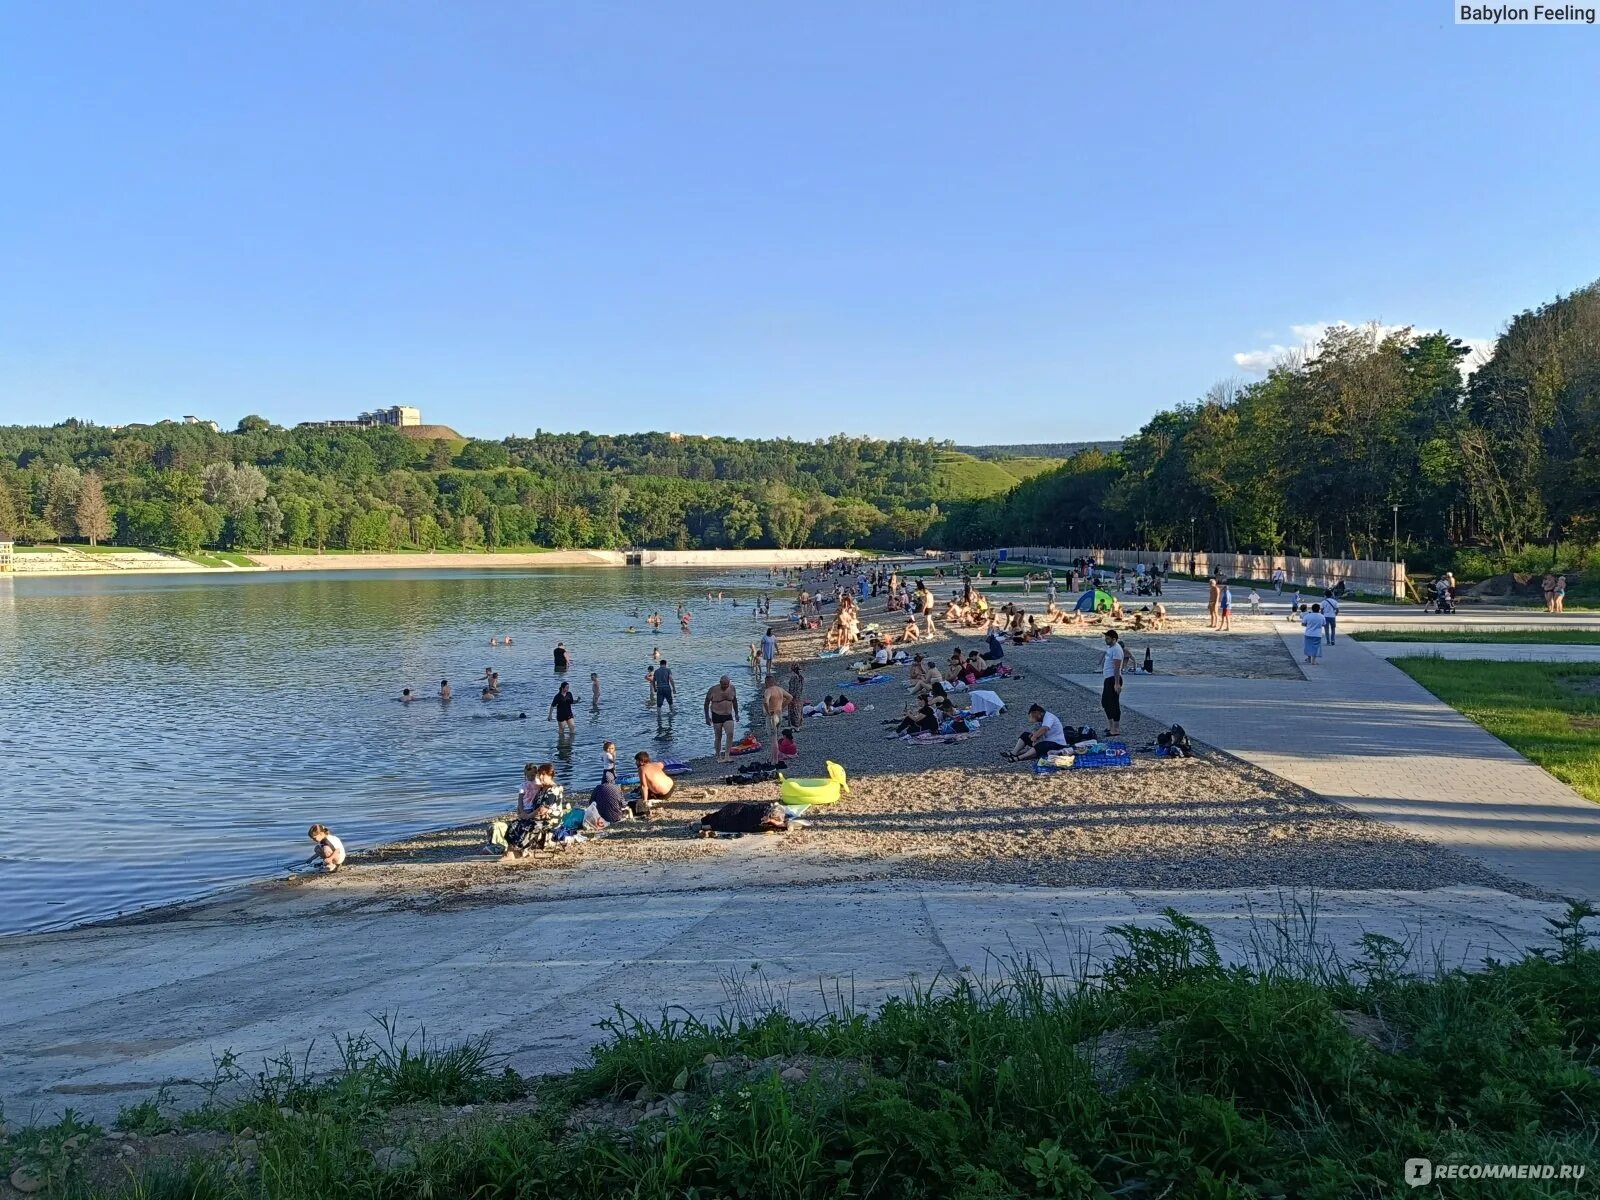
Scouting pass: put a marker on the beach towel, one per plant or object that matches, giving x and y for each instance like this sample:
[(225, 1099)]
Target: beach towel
[(737, 817), (985, 703), (936, 739)]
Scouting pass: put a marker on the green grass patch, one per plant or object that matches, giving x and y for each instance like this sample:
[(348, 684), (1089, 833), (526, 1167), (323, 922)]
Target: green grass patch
[(219, 558), (1548, 712), (962, 477), (1503, 637), (1164, 1073)]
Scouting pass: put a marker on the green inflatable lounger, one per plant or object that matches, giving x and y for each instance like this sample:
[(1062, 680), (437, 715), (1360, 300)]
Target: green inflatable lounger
[(798, 792)]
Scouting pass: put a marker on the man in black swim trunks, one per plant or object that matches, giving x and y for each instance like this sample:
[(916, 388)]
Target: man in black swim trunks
[(722, 713), (666, 689)]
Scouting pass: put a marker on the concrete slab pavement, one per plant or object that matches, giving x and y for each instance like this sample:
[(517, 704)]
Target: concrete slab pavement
[(1359, 731), (99, 1018)]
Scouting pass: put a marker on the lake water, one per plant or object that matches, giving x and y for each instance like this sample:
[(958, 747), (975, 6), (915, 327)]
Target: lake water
[(161, 737)]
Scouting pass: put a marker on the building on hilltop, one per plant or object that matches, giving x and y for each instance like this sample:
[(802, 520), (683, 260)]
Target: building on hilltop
[(397, 416), (211, 425)]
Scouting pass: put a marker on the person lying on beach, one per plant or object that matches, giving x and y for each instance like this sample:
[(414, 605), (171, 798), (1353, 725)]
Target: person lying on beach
[(1045, 737), (327, 850)]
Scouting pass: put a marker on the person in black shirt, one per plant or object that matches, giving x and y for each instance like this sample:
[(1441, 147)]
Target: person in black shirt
[(561, 710), (562, 660)]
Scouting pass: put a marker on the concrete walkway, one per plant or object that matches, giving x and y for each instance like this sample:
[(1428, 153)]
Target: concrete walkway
[(1361, 732), (1486, 652), (99, 1018)]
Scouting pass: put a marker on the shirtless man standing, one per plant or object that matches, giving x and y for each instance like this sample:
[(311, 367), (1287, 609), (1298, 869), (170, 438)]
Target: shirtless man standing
[(722, 714), (776, 702)]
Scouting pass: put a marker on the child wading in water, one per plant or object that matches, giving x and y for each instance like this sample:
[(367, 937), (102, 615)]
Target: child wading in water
[(329, 849)]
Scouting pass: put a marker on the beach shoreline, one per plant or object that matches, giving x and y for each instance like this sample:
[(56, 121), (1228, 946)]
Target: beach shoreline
[(950, 812), (71, 563)]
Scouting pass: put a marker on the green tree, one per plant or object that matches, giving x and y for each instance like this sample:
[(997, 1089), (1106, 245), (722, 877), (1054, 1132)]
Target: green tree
[(59, 509)]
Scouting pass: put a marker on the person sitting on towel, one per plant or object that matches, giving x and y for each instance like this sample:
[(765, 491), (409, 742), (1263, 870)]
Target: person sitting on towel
[(654, 783), (608, 801), (1046, 737), (922, 719), (995, 651)]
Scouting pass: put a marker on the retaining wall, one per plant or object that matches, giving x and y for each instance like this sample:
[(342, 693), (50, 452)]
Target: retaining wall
[(741, 558), (1373, 576)]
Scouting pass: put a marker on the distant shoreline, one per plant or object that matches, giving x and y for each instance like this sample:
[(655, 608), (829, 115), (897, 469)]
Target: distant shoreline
[(448, 561)]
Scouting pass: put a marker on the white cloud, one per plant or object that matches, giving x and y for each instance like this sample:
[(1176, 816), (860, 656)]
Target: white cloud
[(1309, 336)]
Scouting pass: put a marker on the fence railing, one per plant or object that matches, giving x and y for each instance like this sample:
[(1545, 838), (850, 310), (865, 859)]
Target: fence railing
[(1373, 576)]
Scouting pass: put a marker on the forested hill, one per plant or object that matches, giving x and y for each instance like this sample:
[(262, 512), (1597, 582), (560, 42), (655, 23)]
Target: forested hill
[(1376, 432), (261, 487)]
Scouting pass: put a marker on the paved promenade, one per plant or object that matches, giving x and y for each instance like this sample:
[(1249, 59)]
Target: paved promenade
[(1361, 732)]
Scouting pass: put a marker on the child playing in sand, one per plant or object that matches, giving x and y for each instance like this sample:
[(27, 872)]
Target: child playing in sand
[(329, 850)]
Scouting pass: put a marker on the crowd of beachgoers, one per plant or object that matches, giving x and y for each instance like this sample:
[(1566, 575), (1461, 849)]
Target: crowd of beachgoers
[(936, 694)]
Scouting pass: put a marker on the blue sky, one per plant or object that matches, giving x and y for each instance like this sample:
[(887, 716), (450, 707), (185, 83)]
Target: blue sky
[(993, 223)]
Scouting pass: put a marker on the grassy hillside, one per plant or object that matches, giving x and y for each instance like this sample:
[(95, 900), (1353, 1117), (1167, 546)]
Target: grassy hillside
[(1056, 450), (963, 477)]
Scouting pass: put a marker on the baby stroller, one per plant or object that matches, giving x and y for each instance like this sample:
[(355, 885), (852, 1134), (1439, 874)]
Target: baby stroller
[(1440, 601)]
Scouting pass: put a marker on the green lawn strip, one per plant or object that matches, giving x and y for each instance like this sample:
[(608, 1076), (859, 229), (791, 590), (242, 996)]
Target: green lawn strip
[(1171, 1075), (1548, 712), (1535, 637)]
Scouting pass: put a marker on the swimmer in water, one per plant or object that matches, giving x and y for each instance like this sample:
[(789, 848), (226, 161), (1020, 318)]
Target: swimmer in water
[(444, 689), (494, 641), (562, 659), (405, 696), (506, 641), (594, 687)]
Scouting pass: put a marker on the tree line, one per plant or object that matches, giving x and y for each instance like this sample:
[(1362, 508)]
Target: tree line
[(262, 487), (1334, 451)]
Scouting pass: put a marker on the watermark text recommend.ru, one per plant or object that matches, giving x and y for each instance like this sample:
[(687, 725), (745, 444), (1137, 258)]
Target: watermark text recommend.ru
[(1421, 1171), (1512, 14)]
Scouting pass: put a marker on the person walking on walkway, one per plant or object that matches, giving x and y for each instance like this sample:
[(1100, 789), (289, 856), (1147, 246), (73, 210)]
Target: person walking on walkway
[(1314, 623), (1560, 594), (1330, 615), (1111, 684)]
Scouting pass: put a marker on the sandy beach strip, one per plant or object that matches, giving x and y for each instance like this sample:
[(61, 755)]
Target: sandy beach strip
[(958, 812)]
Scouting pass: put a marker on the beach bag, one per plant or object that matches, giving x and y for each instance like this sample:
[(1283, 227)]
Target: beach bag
[(1175, 742)]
